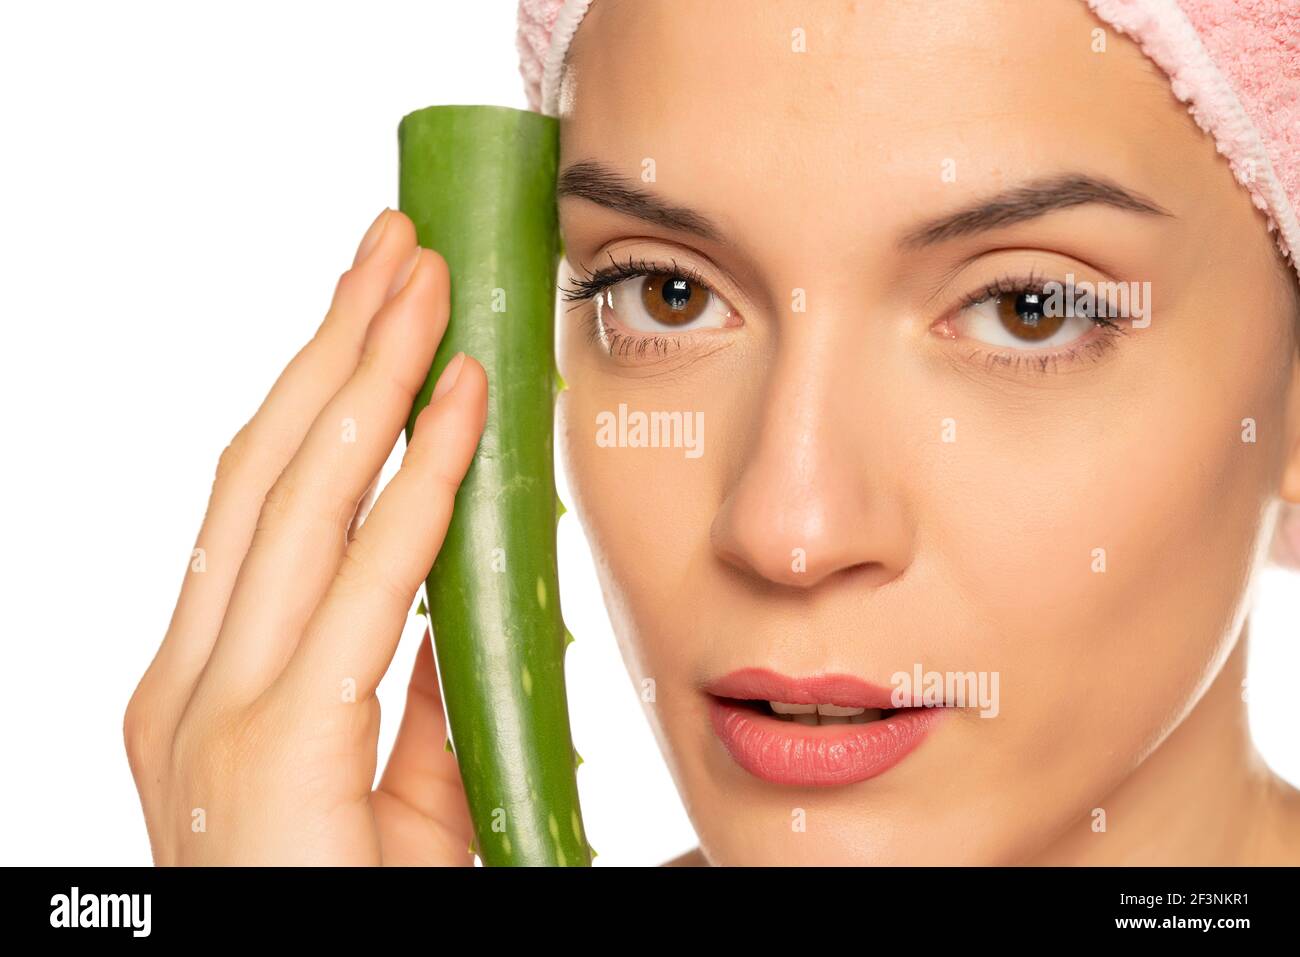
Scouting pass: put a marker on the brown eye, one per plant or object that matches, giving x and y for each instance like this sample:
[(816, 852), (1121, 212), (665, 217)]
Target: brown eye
[(673, 300), (1022, 315)]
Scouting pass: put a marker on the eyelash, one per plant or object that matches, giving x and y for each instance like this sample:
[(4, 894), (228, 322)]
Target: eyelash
[(1028, 359), (579, 291), (601, 279), (620, 344), (1014, 286)]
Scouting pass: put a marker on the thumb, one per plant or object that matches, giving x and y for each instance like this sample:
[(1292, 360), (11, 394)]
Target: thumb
[(422, 773)]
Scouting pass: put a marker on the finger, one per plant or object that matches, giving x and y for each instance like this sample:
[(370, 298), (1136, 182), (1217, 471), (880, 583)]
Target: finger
[(301, 531), (367, 502), (422, 773), (354, 632), (261, 449)]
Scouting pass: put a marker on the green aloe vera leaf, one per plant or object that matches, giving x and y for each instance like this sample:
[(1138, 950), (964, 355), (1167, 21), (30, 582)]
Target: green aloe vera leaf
[(479, 184)]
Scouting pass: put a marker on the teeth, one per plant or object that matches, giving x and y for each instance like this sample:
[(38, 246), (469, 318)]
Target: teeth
[(814, 714), (780, 707), (836, 711)]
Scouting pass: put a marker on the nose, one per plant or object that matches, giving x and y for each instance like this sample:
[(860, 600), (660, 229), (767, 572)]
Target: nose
[(816, 494)]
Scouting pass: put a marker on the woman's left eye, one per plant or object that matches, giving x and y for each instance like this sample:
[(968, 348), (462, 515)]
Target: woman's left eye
[(1025, 317)]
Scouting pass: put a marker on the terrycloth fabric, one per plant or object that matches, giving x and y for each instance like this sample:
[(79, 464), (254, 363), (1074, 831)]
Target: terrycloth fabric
[(546, 27), (1235, 63)]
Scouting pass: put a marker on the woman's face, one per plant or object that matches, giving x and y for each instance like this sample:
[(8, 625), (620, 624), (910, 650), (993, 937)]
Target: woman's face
[(890, 457)]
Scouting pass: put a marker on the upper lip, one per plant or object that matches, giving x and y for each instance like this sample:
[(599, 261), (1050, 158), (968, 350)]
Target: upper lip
[(828, 688)]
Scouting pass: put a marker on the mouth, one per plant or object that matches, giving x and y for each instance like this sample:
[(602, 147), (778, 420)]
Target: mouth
[(823, 731), (812, 715)]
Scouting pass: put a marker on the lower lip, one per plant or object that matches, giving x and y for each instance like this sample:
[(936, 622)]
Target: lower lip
[(827, 755)]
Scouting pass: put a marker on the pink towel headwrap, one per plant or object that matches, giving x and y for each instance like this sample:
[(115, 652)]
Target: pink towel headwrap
[(1235, 63)]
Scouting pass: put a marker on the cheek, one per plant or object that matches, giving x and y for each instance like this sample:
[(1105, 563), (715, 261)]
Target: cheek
[(1103, 552), (645, 513)]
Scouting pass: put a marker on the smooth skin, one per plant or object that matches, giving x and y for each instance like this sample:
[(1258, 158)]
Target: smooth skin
[(1121, 692), (253, 735)]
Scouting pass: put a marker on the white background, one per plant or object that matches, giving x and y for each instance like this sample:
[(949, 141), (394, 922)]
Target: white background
[(182, 185)]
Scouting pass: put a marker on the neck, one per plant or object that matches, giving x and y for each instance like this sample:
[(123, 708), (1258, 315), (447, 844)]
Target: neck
[(1203, 797)]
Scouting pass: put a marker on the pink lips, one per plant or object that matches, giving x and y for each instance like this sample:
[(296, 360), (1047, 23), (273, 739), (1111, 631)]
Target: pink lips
[(784, 752)]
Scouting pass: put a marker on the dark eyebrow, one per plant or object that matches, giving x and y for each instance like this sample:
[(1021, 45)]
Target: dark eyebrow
[(1029, 201), (606, 187)]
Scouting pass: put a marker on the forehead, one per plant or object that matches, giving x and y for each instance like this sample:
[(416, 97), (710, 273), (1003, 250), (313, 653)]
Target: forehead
[(807, 104)]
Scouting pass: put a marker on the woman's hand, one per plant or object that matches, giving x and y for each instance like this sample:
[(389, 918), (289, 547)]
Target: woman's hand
[(253, 734)]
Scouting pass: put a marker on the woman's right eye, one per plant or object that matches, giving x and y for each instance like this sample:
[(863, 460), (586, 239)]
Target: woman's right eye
[(655, 303)]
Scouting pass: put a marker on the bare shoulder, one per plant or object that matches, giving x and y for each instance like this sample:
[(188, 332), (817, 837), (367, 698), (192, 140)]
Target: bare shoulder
[(692, 858)]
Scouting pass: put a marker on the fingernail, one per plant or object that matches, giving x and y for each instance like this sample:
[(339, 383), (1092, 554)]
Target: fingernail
[(404, 273), (371, 239), (447, 381)]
